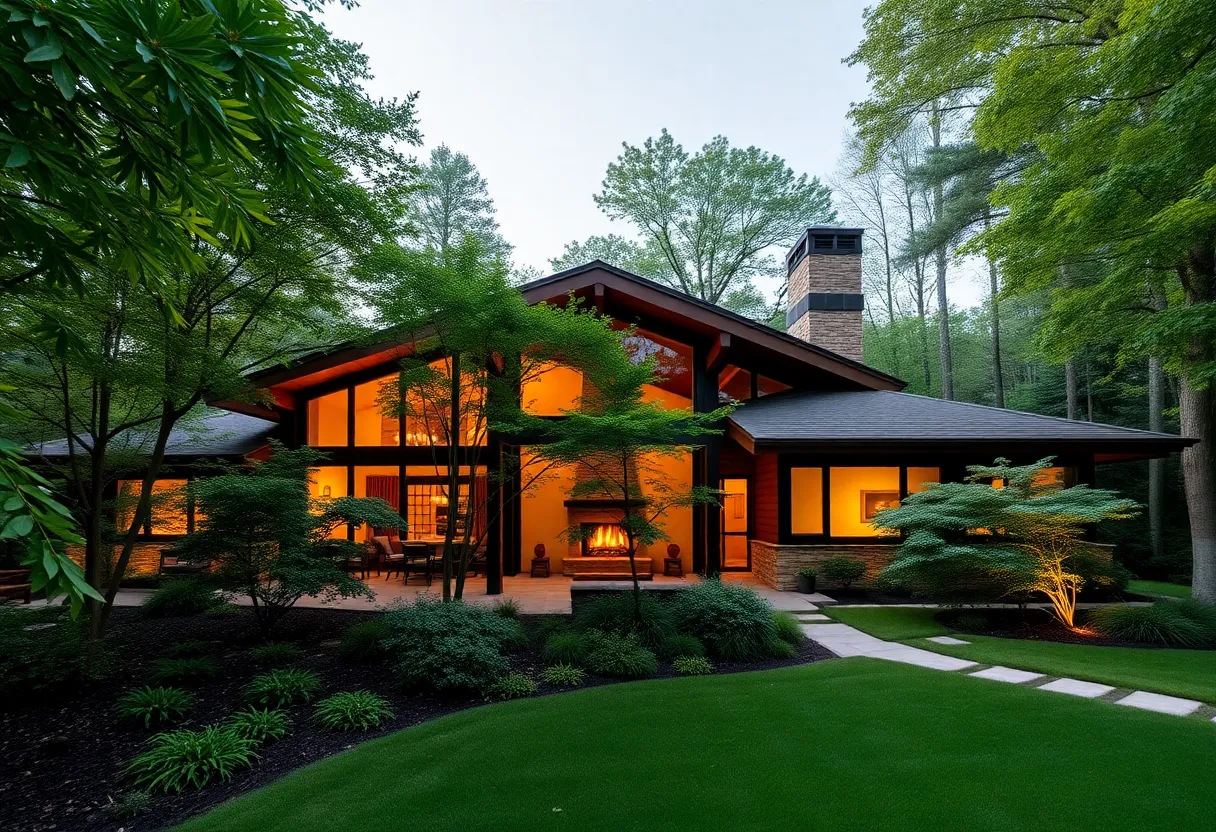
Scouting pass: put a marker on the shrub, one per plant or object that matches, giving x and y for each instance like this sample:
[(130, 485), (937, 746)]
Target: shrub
[(564, 675), (614, 612), (788, 628), (275, 653), (262, 726), (448, 647), (843, 571), (506, 608), (1202, 614), (37, 664), (283, 687), (692, 666), (565, 648), (1162, 623), (191, 759), (356, 710), (364, 642), (129, 805), (194, 647), (154, 707), (972, 621), (512, 686), (619, 656), (682, 645), (186, 670), (732, 622), (776, 648), (807, 572), (180, 597)]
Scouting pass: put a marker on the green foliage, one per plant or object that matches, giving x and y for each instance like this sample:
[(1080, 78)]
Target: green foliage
[(356, 710), (129, 805), (365, 642), (43, 663), (972, 621), (154, 707), (454, 203), (1162, 623), (186, 759), (259, 725), (181, 597), (619, 656), (564, 675), (733, 622), (842, 571), (506, 608), (681, 645), (565, 648), (808, 572), (512, 686), (190, 647), (275, 654), (692, 666), (450, 647), (282, 687), (186, 670), (648, 618), (788, 628)]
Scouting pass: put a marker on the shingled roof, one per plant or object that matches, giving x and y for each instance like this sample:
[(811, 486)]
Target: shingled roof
[(875, 419), (216, 433)]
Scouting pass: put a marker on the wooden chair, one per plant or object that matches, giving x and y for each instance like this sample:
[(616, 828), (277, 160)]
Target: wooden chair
[(171, 564), (15, 583), (417, 559), (390, 562)]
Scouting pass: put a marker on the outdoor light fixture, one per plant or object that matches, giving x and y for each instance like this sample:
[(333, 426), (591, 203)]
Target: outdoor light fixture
[(326, 491)]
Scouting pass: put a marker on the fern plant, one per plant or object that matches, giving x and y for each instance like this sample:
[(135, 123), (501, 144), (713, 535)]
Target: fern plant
[(185, 759), (154, 707), (356, 710), (282, 688), (262, 725)]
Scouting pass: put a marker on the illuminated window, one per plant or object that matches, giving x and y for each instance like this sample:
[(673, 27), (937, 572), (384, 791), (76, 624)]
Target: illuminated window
[(1057, 477), (427, 422), (372, 427), (551, 389), (806, 501), (328, 483), (167, 509), (919, 478), (381, 481), (327, 420), (856, 495)]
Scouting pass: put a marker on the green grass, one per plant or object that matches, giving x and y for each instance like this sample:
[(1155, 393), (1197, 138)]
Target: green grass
[(1159, 588), (1187, 673), (855, 744)]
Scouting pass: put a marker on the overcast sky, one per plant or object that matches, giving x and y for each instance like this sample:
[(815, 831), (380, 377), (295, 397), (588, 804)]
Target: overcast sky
[(541, 93)]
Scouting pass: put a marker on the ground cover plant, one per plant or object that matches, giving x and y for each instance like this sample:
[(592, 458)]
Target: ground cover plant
[(564, 675), (190, 759), (882, 730), (355, 710), (282, 687), (1165, 623), (261, 725), (181, 596), (44, 662), (365, 641), (692, 666), (275, 653), (512, 686), (152, 707), (185, 670), (619, 656)]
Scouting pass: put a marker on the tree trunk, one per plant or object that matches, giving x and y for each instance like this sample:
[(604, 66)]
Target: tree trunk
[(998, 377), (1197, 408), (449, 533), (1156, 467), (943, 304), (1070, 387)]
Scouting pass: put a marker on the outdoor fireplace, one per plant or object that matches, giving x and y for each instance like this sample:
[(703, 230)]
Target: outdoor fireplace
[(604, 540)]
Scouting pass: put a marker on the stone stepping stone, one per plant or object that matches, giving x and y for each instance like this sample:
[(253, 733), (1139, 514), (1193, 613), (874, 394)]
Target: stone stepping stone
[(812, 616), (1160, 703), (921, 658), (1074, 687), (1006, 674), (946, 640)]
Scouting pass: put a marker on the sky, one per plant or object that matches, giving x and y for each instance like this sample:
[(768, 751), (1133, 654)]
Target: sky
[(541, 93)]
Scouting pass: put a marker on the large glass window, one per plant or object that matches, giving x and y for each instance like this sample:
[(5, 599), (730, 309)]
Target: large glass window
[(920, 478), (806, 501), (327, 420), (372, 427), (856, 495), (327, 483), (550, 389)]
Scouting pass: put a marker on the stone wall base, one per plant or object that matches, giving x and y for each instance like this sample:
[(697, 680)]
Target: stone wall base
[(777, 566)]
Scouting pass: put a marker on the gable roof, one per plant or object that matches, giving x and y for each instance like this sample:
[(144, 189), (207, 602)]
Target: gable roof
[(883, 419), (216, 433)]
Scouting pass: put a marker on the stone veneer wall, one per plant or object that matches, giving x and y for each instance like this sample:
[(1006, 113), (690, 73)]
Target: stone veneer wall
[(836, 330), (777, 566), (144, 562)]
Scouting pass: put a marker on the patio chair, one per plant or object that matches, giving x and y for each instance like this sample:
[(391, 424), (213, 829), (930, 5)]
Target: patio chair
[(417, 560), (172, 564), (390, 562), (477, 563)]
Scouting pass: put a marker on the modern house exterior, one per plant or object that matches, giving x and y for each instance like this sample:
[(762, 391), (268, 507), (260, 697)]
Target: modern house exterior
[(818, 443)]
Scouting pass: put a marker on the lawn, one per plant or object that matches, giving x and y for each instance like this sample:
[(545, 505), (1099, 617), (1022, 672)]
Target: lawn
[(1159, 588), (849, 744), (1187, 673)]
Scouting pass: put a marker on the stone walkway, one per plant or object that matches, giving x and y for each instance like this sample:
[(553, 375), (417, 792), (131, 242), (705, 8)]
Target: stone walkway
[(846, 641)]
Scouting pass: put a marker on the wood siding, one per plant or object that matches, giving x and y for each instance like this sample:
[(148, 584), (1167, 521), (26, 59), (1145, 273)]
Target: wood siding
[(765, 499)]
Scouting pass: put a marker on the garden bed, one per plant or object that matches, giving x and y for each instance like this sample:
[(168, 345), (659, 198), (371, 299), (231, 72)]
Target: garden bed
[(62, 762), (1035, 624)]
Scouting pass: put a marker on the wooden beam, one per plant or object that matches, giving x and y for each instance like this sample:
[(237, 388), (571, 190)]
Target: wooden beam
[(601, 292), (719, 353)]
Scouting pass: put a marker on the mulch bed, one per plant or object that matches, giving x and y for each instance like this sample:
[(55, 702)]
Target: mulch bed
[(1036, 625), (62, 763)]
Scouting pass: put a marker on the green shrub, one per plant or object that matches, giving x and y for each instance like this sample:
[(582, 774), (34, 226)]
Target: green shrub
[(352, 710), (282, 688), (776, 648), (789, 629), (619, 656), (450, 647), (614, 612), (191, 759), (180, 597), (364, 642), (972, 621), (194, 647), (807, 572), (692, 666), (275, 654), (154, 707), (261, 725), (129, 805), (682, 645), (843, 572), (1202, 614), (548, 625), (506, 608), (186, 670), (1162, 623), (565, 648), (512, 686), (732, 622), (39, 664), (564, 675)]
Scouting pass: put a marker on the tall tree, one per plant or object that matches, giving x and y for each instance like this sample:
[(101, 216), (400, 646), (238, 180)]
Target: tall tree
[(945, 356), (454, 202), (1113, 103)]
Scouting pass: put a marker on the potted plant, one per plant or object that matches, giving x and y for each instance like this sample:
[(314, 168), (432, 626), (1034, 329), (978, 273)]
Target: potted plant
[(806, 580)]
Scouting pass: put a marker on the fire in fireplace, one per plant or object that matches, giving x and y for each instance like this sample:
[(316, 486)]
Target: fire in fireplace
[(605, 539)]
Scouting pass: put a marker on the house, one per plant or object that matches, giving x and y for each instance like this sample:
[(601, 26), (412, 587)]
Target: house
[(818, 444)]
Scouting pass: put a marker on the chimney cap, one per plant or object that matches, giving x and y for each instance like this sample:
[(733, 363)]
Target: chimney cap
[(824, 239)]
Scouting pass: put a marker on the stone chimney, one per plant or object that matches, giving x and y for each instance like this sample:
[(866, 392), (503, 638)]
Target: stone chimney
[(825, 301)]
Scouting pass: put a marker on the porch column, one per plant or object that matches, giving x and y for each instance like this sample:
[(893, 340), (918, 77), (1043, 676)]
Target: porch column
[(707, 361), (493, 509)]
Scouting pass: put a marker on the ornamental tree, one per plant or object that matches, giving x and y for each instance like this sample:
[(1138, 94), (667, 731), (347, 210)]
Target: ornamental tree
[(1006, 526)]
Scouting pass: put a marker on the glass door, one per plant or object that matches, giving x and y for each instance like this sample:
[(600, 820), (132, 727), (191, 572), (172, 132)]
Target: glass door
[(736, 525)]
